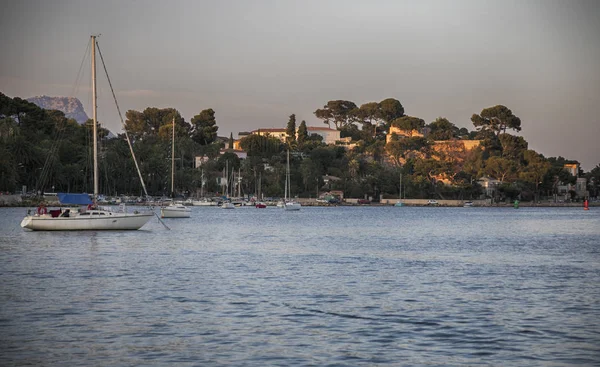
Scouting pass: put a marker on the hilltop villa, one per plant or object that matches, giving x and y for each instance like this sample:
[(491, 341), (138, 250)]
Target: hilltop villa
[(330, 136)]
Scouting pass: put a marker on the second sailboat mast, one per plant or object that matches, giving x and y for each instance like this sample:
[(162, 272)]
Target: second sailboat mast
[(173, 162)]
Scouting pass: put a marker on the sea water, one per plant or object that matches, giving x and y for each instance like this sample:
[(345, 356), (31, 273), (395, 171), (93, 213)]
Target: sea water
[(335, 286)]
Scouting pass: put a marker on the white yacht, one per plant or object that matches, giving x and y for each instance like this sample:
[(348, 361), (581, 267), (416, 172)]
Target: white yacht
[(88, 217)]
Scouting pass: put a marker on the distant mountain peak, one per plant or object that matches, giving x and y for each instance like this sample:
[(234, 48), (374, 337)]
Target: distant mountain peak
[(70, 106)]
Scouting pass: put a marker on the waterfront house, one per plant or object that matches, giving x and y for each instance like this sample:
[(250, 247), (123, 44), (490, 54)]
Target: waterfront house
[(580, 187), (490, 185)]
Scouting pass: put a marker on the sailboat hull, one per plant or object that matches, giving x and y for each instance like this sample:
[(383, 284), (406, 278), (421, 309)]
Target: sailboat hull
[(227, 205), (204, 203), (106, 221), (175, 211), (292, 206)]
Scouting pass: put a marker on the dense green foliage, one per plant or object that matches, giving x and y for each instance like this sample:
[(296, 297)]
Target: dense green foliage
[(204, 127), (408, 124), (45, 151), (496, 119), (291, 131), (337, 112)]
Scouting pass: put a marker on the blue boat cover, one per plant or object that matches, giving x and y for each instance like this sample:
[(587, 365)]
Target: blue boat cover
[(79, 199)]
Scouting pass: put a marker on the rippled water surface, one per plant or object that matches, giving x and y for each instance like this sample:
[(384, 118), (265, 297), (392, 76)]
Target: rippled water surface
[(345, 286)]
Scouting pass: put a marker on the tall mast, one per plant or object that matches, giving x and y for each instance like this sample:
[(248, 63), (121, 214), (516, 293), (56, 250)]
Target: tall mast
[(202, 184), (94, 117), (223, 182), (287, 177), (173, 162)]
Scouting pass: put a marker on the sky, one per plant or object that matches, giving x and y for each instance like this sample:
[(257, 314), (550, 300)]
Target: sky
[(257, 62)]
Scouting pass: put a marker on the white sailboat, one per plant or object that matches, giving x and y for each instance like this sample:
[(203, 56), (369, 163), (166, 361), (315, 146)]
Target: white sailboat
[(288, 203), (90, 217), (399, 202), (226, 204), (203, 201), (174, 210)]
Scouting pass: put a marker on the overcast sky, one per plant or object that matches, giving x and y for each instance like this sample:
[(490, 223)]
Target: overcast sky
[(257, 62)]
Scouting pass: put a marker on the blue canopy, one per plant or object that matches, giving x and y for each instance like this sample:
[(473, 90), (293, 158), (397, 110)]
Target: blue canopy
[(79, 199)]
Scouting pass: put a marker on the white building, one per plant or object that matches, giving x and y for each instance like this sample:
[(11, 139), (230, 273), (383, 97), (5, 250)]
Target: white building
[(330, 136), (580, 186), (280, 134), (490, 185), (200, 160)]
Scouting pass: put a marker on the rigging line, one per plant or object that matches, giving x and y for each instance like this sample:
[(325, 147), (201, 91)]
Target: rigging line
[(79, 73), (126, 134), (49, 162), (44, 175), (122, 122)]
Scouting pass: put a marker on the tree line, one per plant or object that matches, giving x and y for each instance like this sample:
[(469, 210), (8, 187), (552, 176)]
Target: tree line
[(45, 151)]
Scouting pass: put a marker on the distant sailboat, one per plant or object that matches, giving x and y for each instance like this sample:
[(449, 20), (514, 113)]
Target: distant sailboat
[(288, 203), (203, 201), (226, 204), (174, 210), (259, 204), (399, 202), (88, 216)]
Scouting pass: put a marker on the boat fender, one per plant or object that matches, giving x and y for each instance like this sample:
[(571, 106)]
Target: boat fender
[(90, 207), (41, 210)]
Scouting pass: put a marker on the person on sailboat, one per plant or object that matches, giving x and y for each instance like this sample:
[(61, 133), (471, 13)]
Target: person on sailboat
[(41, 210), (92, 205)]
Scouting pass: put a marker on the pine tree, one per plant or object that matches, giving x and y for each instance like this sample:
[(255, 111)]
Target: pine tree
[(204, 127), (302, 133), (291, 130)]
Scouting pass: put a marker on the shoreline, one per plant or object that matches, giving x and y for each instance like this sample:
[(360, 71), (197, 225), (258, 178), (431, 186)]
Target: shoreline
[(314, 203)]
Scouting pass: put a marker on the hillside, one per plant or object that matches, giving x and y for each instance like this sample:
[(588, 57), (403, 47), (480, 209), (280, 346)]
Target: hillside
[(71, 106)]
